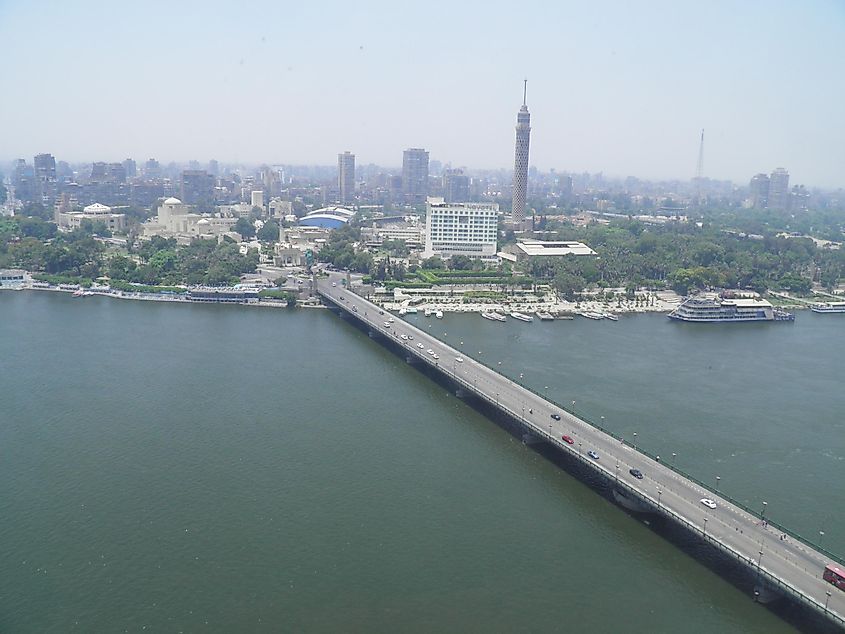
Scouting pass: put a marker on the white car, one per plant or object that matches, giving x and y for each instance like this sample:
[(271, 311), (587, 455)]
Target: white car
[(405, 337), (334, 283), (387, 324), (420, 346), (459, 359), (430, 351), (436, 356), (391, 320), (708, 503)]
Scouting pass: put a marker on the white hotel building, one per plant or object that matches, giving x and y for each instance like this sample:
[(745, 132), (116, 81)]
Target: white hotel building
[(461, 229)]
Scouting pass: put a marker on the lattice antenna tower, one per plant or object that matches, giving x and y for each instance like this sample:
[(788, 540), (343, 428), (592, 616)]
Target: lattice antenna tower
[(699, 170)]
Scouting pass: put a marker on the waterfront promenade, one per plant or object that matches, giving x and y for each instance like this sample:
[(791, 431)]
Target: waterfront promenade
[(786, 566)]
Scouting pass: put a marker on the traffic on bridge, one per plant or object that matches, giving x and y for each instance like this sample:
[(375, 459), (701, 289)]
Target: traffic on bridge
[(782, 564)]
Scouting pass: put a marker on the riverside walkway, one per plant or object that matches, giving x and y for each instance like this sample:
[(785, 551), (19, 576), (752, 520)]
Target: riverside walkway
[(785, 566)]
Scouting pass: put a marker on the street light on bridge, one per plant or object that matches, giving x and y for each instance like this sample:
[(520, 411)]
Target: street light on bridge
[(705, 527), (821, 535), (763, 513), (659, 493), (635, 441), (718, 479), (827, 592)]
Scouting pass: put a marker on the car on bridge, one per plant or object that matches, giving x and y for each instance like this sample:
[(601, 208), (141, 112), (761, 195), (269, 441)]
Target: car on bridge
[(556, 416), (636, 473), (708, 503), (567, 439), (420, 346), (593, 454)]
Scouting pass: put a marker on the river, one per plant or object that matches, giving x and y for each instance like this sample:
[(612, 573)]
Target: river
[(221, 468)]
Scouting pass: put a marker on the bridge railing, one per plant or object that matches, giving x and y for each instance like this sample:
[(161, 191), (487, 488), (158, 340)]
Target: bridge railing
[(783, 529)]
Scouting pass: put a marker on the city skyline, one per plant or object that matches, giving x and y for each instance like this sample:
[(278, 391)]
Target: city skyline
[(614, 90)]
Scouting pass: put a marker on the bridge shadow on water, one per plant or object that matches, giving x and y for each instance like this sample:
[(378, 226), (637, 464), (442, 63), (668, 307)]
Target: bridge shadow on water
[(693, 543)]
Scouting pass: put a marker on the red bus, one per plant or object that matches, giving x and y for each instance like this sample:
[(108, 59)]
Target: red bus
[(835, 575)]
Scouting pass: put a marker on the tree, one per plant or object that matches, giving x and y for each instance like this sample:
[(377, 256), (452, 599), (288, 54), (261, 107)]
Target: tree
[(433, 263), (460, 263), (269, 232), (245, 227)]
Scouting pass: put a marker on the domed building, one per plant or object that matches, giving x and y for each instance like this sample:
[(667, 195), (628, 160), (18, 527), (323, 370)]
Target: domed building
[(176, 220)]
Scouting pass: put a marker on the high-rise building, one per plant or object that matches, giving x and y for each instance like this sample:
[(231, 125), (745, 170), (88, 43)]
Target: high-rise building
[(198, 189), (455, 186), (759, 194), (520, 168), (415, 174), (779, 189), (346, 176), (152, 169), (130, 168), (469, 229), (24, 181), (45, 177)]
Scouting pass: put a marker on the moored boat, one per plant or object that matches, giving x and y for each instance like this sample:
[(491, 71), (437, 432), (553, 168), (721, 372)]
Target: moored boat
[(711, 308), (494, 316), (828, 307), (521, 317)]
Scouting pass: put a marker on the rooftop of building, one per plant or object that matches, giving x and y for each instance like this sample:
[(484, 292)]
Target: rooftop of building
[(534, 248)]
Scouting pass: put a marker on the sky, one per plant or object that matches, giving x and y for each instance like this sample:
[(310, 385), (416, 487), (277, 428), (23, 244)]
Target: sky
[(612, 87)]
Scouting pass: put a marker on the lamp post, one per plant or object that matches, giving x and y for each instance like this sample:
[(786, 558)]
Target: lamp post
[(659, 493), (718, 479), (827, 593), (759, 559), (635, 441), (821, 535), (617, 471), (763, 513), (674, 455), (705, 527)]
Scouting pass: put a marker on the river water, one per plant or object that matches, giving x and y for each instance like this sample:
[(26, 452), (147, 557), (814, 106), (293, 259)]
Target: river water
[(189, 468)]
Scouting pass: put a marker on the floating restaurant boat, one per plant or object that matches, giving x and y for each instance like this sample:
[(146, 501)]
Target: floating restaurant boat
[(829, 307), (711, 308)]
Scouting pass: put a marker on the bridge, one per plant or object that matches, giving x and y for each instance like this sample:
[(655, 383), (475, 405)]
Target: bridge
[(781, 564)]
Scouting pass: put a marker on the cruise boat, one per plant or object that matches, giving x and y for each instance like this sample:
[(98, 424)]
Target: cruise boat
[(402, 311), (428, 312), (544, 316), (494, 316), (611, 317), (713, 308), (829, 307), (411, 310), (591, 315), (439, 314), (521, 317)]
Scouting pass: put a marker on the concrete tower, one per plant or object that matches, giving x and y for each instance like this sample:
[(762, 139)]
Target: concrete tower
[(520, 168)]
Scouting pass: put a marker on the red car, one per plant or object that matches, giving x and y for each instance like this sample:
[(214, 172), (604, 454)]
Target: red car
[(568, 440)]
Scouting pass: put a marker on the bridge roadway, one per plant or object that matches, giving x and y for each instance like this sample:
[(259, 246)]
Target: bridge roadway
[(791, 567)]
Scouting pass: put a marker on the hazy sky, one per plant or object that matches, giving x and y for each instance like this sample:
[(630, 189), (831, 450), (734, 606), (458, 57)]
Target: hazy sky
[(611, 87)]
